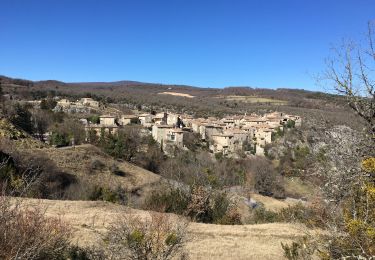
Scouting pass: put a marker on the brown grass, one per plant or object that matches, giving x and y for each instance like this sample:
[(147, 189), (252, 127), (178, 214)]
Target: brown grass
[(91, 220), (254, 99), (76, 161), (176, 94)]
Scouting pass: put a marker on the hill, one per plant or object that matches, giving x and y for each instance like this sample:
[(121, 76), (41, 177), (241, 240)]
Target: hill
[(199, 102)]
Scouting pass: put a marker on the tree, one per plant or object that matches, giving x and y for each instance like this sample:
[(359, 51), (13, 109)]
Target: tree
[(67, 130), (41, 121), (48, 104), (266, 180), (20, 116), (199, 207), (351, 229), (351, 72)]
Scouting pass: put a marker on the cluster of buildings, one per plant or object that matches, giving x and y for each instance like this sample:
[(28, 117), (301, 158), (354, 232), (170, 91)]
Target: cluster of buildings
[(248, 133), (84, 105), (231, 134)]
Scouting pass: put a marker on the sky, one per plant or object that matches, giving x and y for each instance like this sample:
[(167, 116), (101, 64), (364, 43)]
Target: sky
[(205, 43)]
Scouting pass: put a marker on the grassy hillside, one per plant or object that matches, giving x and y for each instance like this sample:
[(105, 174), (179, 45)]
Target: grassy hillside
[(91, 220)]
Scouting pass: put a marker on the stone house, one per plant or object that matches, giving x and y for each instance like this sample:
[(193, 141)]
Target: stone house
[(263, 135), (187, 119), (160, 119), (172, 119), (89, 102), (107, 120), (107, 125), (229, 123), (64, 102), (128, 119), (168, 135), (175, 136), (159, 132), (195, 124), (222, 143), (207, 130), (145, 119), (252, 121)]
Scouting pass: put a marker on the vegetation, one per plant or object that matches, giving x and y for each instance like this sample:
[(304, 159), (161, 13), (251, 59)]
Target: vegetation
[(118, 195), (29, 234), (158, 237), (324, 153), (351, 232)]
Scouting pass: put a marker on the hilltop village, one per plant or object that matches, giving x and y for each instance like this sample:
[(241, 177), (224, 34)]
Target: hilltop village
[(228, 135)]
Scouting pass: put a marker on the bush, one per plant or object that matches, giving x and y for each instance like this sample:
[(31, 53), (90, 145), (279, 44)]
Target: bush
[(114, 169), (29, 234), (168, 200), (95, 165), (266, 180), (303, 249), (119, 195), (310, 216), (290, 124), (199, 208), (59, 139), (260, 215), (48, 104), (94, 119), (157, 237)]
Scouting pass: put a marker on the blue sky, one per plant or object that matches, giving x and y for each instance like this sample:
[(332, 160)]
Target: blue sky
[(207, 43)]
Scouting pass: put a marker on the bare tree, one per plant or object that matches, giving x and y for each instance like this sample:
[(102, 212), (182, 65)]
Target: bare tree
[(352, 73)]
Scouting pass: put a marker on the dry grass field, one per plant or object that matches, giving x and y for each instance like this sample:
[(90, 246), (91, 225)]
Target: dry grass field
[(176, 94), (254, 100), (90, 221)]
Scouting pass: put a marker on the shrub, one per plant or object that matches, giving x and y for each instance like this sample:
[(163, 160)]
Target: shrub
[(266, 180), (290, 124), (114, 169), (231, 217), (302, 249), (59, 139), (48, 103), (29, 234), (223, 212), (169, 200), (94, 119), (157, 237), (119, 195), (95, 165), (199, 206), (260, 215), (368, 165)]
